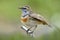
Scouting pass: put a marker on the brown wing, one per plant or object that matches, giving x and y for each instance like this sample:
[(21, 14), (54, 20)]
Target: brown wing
[(39, 18)]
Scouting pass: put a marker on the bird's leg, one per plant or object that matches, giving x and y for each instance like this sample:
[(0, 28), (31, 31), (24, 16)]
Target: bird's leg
[(34, 28), (29, 31)]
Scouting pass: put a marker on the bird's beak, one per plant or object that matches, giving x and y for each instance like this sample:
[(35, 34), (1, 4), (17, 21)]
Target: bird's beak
[(20, 8)]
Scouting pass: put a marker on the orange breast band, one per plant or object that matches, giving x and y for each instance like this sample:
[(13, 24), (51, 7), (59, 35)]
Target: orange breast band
[(24, 19)]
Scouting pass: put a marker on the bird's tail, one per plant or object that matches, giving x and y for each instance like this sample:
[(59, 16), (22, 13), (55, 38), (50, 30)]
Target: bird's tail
[(54, 27)]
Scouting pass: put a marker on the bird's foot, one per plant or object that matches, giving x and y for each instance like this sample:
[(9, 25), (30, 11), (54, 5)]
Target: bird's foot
[(29, 32)]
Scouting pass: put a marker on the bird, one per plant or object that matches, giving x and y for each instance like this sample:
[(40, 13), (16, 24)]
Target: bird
[(31, 19)]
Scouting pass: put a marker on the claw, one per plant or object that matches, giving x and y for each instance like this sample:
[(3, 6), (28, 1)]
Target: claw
[(30, 33)]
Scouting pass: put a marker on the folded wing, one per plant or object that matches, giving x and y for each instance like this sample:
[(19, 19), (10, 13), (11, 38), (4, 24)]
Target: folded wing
[(39, 18)]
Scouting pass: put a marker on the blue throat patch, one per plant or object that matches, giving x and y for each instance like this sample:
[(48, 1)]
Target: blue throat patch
[(24, 12)]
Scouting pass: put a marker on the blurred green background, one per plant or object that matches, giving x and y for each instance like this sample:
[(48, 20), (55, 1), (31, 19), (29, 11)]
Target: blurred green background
[(10, 15)]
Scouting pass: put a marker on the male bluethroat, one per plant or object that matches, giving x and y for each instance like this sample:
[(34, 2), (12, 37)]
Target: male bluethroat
[(31, 19)]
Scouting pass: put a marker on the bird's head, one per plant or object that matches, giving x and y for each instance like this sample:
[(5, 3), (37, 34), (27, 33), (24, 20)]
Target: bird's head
[(25, 10)]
